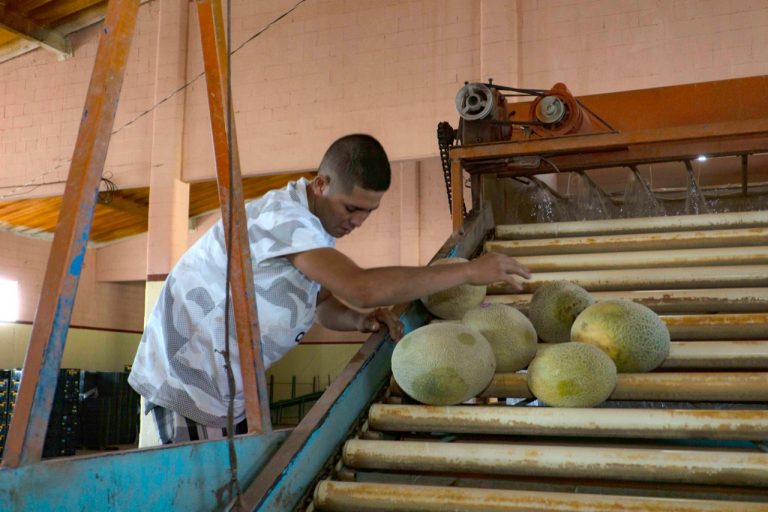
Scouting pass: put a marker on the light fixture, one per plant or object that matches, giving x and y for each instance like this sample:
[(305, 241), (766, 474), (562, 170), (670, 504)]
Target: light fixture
[(702, 158)]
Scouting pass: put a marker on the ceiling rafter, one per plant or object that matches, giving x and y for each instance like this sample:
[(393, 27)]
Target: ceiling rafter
[(122, 204), (28, 29), (125, 212)]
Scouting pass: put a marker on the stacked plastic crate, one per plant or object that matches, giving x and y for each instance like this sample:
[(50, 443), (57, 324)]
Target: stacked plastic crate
[(63, 435), (110, 410), (91, 410), (5, 419)]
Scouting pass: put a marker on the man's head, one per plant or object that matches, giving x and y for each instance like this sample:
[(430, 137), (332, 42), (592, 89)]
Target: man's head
[(350, 182)]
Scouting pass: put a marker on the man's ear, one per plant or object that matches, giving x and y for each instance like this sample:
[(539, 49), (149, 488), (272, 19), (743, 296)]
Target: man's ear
[(320, 184)]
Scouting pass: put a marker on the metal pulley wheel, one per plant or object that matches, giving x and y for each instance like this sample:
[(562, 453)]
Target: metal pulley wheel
[(475, 101), (558, 113), (550, 110)]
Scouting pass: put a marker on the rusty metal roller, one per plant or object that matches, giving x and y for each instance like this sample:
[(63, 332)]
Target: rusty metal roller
[(708, 467), (550, 421), (365, 497)]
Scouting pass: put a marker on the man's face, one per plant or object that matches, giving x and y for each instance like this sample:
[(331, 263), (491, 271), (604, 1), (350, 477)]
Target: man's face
[(342, 212)]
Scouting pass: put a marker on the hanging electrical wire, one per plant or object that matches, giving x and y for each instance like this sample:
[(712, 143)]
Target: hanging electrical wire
[(107, 195), (237, 500)]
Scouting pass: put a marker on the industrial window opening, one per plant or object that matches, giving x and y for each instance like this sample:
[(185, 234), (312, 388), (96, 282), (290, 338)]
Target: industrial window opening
[(9, 300)]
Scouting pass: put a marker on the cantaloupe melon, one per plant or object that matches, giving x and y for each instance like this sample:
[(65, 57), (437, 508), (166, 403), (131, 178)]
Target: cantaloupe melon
[(443, 364), (510, 333), (572, 375), (631, 334), (451, 304), (554, 306)]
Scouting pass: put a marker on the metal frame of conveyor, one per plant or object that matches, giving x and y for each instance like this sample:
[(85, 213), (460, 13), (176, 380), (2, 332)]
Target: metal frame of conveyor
[(732, 120), (168, 477)]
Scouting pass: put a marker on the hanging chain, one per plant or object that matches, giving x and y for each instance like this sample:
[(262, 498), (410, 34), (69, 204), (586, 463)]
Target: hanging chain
[(445, 137)]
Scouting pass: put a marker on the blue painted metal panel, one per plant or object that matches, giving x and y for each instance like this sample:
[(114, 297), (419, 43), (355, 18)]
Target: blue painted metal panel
[(310, 460), (190, 477)]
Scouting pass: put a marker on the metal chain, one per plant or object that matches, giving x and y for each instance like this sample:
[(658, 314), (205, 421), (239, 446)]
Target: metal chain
[(445, 137)]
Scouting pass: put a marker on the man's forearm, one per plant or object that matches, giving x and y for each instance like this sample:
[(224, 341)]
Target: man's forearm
[(386, 286), (332, 314)]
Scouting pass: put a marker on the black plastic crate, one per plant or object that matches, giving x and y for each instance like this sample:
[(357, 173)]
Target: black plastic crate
[(109, 411)]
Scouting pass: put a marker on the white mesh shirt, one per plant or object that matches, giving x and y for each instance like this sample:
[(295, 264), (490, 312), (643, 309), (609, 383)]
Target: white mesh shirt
[(179, 364)]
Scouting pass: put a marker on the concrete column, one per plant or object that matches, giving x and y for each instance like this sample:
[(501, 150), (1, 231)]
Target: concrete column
[(169, 195), (409, 212)]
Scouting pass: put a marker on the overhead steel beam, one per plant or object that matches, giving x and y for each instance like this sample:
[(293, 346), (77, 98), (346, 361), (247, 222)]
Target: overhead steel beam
[(49, 332), (231, 192), (636, 154), (26, 28), (595, 150)]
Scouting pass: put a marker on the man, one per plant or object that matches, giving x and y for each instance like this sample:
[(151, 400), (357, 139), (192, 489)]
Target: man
[(299, 276)]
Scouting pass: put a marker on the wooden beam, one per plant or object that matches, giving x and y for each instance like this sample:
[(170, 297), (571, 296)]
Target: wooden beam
[(52, 12), (231, 192), (16, 47), (49, 332), (121, 204), (27, 28)]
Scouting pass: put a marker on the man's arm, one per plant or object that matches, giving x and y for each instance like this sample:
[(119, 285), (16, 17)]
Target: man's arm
[(384, 286), (333, 314)]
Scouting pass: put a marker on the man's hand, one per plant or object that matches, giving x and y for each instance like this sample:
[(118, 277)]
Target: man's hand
[(373, 321), (493, 267)]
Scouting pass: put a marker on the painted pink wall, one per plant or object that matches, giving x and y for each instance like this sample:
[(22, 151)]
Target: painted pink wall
[(98, 304), (41, 103), (597, 46), (390, 68)]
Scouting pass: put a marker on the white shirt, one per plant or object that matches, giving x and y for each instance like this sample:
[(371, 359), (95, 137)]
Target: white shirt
[(179, 364)]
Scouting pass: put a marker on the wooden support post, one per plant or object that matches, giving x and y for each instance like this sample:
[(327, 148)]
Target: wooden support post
[(49, 332), (230, 189)]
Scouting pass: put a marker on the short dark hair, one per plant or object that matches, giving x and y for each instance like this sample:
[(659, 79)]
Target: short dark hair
[(357, 159)]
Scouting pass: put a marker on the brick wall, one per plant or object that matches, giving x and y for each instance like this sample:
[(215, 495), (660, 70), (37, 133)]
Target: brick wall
[(598, 46), (390, 68)]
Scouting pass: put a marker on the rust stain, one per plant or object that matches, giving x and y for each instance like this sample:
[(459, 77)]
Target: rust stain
[(717, 320)]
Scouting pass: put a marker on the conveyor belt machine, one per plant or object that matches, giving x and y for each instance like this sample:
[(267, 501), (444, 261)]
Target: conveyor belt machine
[(689, 436)]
